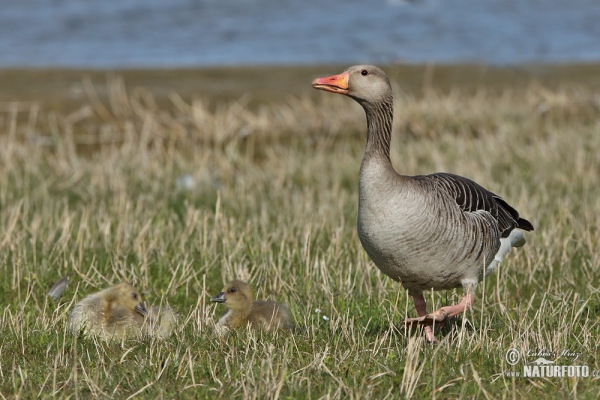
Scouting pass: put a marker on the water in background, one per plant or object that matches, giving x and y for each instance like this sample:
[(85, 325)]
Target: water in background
[(172, 33)]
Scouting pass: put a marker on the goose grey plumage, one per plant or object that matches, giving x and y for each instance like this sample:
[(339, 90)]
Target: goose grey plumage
[(429, 232)]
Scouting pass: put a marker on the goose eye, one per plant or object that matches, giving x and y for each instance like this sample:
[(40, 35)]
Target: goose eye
[(364, 72)]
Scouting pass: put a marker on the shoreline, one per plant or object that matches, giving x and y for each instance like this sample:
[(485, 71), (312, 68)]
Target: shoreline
[(62, 88)]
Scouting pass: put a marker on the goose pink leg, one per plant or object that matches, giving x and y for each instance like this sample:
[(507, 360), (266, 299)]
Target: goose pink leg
[(422, 311), (438, 316)]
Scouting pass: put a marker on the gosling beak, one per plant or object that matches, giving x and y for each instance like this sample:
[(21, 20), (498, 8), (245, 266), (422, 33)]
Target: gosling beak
[(219, 298), (334, 83), (140, 308)]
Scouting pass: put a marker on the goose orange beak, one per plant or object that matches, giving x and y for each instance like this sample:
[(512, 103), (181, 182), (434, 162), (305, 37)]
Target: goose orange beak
[(334, 83)]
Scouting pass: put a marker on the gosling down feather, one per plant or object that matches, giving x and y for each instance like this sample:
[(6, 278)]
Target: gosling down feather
[(428, 232), (243, 310), (118, 312)]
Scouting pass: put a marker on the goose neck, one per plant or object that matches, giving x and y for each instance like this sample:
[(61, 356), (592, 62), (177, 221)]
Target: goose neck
[(380, 117)]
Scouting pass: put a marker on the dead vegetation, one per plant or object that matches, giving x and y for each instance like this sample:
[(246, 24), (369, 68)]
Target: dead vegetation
[(177, 200)]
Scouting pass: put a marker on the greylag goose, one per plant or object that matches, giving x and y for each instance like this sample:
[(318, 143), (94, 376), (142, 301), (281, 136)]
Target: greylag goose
[(428, 232), (118, 312), (243, 310)]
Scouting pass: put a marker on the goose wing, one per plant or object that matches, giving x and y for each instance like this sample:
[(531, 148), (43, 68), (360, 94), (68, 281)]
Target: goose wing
[(471, 197)]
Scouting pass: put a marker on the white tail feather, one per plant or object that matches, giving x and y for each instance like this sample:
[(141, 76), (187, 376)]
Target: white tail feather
[(515, 239)]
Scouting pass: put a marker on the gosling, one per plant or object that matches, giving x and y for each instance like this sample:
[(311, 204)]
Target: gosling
[(245, 311), (118, 313)]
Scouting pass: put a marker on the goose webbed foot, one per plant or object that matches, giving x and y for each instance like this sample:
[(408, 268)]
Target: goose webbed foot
[(437, 317)]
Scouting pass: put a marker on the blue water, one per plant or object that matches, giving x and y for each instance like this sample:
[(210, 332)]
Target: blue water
[(179, 33)]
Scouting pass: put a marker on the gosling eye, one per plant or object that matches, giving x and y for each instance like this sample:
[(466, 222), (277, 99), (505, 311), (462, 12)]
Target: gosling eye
[(364, 72), (232, 290), (134, 295)]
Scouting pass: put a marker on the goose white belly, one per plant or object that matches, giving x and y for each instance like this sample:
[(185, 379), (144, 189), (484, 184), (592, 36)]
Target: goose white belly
[(413, 239)]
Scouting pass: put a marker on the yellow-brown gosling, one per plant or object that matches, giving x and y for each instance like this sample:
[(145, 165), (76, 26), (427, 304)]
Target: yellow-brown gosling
[(118, 312), (244, 310)]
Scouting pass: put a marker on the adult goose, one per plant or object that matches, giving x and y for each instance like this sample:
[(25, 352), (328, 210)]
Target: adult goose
[(428, 232)]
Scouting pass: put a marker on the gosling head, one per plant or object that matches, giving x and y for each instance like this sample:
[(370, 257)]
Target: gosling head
[(236, 295), (126, 295)]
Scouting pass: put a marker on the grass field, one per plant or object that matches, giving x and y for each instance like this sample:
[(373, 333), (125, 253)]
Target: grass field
[(179, 193)]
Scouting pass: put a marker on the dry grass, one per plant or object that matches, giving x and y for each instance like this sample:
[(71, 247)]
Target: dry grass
[(269, 196)]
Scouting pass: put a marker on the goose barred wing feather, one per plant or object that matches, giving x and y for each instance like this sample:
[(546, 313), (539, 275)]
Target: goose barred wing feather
[(471, 197)]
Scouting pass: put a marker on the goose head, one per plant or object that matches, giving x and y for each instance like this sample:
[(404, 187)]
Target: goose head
[(126, 295), (236, 295), (367, 84)]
